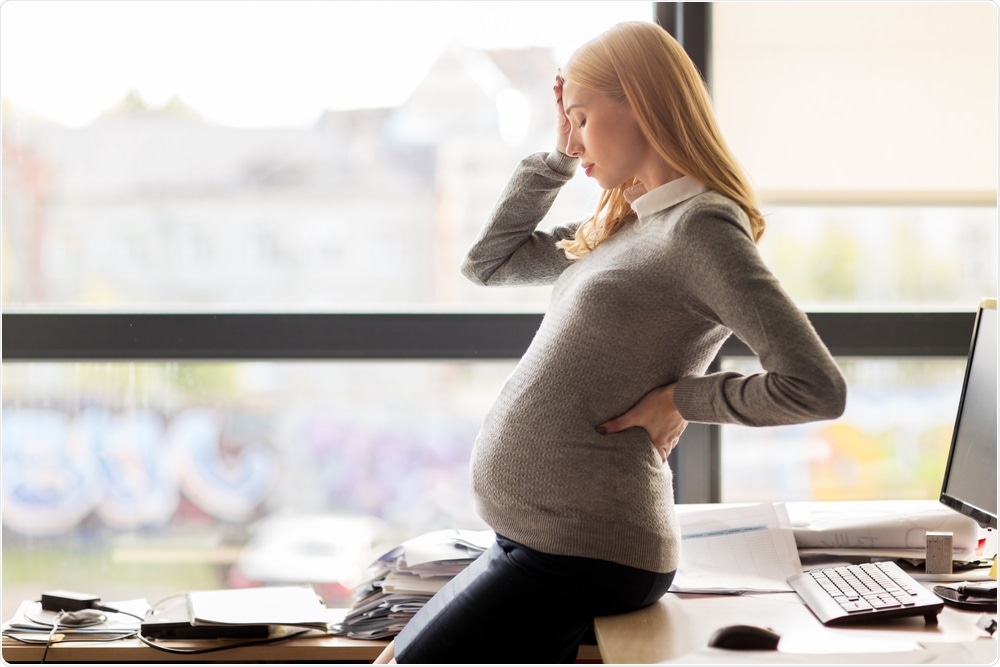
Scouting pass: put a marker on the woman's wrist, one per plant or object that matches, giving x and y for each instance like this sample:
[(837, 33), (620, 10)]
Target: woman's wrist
[(560, 162)]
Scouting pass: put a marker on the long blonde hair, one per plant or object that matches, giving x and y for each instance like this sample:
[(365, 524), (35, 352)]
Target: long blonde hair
[(641, 64)]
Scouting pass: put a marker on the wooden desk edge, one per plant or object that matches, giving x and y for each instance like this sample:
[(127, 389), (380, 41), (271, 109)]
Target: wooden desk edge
[(642, 636), (320, 648)]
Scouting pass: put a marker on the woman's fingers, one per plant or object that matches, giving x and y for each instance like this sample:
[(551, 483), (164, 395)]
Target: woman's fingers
[(562, 122)]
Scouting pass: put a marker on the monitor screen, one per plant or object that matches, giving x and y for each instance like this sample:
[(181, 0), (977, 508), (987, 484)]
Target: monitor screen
[(970, 478)]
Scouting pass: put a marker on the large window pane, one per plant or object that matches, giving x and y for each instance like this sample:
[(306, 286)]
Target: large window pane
[(271, 154), (870, 130), (891, 443), (884, 257), (860, 98), (142, 479)]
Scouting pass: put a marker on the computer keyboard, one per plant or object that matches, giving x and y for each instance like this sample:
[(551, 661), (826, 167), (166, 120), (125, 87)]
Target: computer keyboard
[(864, 593)]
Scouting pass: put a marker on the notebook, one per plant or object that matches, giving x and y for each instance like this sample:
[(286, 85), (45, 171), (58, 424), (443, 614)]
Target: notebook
[(171, 619)]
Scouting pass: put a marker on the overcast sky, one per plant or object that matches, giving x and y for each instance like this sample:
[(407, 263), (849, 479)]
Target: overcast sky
[(257, 62)]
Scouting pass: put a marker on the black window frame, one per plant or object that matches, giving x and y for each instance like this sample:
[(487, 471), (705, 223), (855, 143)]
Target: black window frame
[(123, 337)]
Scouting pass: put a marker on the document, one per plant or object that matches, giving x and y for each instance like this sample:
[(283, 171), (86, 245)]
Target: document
[(32, 624), (746, 549), (441, 552), (406, 577), (884, 527), (266, 605)]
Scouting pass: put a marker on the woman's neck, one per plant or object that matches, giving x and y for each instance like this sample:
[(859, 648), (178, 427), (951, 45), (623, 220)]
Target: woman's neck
[(657, 172)]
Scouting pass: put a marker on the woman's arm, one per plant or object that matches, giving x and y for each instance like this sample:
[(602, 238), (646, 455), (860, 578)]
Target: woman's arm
[(728, 282), (510, 250), (731, 284)]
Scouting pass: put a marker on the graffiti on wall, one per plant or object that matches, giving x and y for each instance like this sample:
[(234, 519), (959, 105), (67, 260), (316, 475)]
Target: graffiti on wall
[(137, 470)]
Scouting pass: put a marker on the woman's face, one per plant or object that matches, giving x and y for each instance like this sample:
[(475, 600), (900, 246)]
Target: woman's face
[(604, 135)]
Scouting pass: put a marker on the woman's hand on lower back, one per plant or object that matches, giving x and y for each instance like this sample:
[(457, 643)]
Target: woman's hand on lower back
[(657, 414)]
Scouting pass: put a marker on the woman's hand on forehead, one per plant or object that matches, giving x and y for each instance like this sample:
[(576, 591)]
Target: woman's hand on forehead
[(562, 121)]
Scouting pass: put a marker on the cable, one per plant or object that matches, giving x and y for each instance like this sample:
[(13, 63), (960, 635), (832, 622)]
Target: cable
[(168, 649), (52, 634), (83, 622), (59, 621), (81, 618), (253, 642), (70, 619), (101, 607), (12, 634)]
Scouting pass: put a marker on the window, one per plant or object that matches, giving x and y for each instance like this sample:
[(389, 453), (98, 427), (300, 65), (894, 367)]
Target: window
[(272, 155), (283, 182), (891, 443), (870, 130), (156, 475), (262, 157)]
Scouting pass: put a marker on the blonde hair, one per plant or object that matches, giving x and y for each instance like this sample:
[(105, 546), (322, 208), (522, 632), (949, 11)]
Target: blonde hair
[(640, 64)]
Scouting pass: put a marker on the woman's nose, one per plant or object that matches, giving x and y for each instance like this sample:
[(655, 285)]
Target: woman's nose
[(574, 148)]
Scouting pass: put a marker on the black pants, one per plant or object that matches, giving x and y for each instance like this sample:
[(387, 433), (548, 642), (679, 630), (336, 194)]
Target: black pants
[(517, 605)]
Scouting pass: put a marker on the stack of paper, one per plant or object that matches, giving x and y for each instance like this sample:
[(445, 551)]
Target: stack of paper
[(32, 624), (887, 528), (406, 577)]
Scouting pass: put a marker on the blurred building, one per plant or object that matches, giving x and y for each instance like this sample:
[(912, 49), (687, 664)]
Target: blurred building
[(154, 206)]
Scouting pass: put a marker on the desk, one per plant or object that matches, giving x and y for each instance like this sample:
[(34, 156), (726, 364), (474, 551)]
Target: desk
[(681, 624), (317, 648), (311, 648)]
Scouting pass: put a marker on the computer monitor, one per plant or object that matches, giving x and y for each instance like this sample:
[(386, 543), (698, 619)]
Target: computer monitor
[(970, 478)]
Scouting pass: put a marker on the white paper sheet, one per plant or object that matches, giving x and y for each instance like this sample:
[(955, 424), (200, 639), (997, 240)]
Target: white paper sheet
[(265, 605), (742, 549), (882, 525)]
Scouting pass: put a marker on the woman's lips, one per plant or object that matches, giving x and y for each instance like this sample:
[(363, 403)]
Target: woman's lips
[(587, 168)]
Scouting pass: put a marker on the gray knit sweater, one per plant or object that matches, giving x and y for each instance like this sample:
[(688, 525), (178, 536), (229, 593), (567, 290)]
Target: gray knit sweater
[(648, 307)]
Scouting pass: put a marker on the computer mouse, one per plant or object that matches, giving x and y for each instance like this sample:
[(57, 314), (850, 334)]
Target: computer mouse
[(745, 638)]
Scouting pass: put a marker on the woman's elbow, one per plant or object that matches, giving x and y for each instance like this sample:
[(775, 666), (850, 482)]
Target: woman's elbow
[(471, 271), (832, 397)]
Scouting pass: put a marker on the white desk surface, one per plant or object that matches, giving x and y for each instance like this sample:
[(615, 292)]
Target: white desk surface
[(678, 628)]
